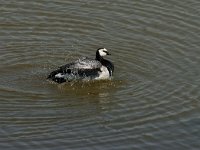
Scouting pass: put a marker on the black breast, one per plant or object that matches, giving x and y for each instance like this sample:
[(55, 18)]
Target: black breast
[(109, 65)]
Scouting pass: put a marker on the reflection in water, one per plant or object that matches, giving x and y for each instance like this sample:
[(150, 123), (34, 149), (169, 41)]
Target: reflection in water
[(90, 89)]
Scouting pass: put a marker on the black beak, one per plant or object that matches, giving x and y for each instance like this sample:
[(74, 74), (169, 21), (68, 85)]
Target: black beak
[(108, 53)]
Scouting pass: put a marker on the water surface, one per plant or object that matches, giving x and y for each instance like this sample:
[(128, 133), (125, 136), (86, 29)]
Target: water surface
[(153, 100)]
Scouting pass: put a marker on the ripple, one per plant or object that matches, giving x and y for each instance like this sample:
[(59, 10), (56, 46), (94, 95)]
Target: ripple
[(155, 49)]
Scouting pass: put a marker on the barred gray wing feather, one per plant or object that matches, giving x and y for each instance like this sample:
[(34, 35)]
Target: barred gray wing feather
[(86, 63)]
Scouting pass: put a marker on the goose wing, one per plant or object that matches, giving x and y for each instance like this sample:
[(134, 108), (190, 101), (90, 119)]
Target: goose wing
[(81, 68), (83, 63)]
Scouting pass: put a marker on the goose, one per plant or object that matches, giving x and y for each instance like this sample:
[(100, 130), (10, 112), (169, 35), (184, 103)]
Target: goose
[(85, 69)]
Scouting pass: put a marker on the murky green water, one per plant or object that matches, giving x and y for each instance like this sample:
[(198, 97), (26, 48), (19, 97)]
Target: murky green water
[(153, 100)]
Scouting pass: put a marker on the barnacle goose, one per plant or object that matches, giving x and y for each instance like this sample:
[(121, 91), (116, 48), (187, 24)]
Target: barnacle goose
[(85, 69)]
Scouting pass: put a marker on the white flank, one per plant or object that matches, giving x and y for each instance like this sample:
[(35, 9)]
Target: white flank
[(104, 74)]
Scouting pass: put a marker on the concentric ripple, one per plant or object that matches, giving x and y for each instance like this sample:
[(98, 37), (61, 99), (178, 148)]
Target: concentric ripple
[(153, 100)]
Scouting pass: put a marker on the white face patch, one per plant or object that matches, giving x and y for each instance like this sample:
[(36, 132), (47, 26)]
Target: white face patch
[(102, 52)]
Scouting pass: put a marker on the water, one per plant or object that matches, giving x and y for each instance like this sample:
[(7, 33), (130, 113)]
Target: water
[(153, 100)]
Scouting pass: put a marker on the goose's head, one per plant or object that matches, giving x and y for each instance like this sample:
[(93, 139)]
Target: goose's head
[(102, 52)]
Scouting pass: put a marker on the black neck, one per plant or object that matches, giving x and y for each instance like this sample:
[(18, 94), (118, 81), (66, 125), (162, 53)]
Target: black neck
[(98, 57), (106, 63)]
